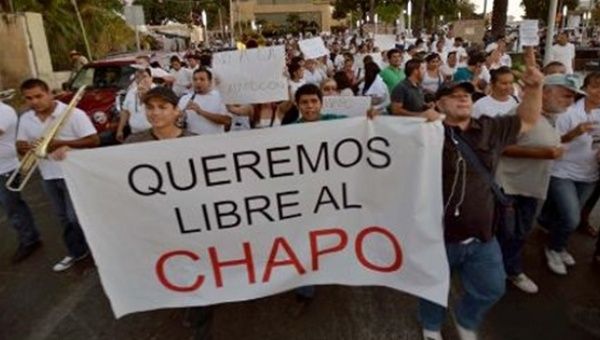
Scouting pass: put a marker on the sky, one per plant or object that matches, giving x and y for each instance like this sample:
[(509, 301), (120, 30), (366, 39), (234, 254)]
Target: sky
[(514, 7)]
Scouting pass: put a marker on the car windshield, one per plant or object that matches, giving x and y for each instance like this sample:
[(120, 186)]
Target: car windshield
[(104, 77)]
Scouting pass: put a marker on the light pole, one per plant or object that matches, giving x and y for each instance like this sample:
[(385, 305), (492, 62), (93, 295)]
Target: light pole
[(205, 24), (564, 14), (85, 39), (484, 8), (375, 21), (231, 23), (550, 30), (409, 12)]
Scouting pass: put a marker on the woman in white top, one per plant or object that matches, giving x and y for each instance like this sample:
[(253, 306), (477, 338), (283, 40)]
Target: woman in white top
[(343, 84), (374, 87), (501, 99), (313, 73), (329, 87), (450, 67), (433, 77), (296, 72), (133, 112), (266, 115)]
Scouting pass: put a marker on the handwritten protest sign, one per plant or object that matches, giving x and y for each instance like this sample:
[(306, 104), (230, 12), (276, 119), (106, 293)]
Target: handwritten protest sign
[(385, 41), (313, 48), (528, 33), (210, 219), (251, 76), (346, 105)]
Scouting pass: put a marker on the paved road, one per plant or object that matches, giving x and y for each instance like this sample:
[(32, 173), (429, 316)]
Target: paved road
[(36, 303)]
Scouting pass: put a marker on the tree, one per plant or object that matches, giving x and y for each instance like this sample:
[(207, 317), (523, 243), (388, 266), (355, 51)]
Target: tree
[(499, 13), (344, 7), (5, 6), (105, 29), (538, 9)]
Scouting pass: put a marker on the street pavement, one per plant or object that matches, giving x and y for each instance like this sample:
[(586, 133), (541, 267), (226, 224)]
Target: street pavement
[(36, 303)]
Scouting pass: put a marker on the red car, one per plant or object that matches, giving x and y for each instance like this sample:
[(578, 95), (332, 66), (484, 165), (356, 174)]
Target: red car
[(107, 82)]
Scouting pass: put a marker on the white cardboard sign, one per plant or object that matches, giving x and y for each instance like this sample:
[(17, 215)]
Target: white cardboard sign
[(313, 48), (356, 106), (528, 33), (252, 75)]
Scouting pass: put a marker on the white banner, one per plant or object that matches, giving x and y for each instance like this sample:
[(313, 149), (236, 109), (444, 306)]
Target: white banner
[(251, 76), (356, 106), (313, 48), (210, 219)]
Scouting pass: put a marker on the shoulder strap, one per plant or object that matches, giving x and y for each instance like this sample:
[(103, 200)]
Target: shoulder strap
[(471, 157)]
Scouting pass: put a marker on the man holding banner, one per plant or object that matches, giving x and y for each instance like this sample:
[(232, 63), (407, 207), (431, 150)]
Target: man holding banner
[(471, 246)]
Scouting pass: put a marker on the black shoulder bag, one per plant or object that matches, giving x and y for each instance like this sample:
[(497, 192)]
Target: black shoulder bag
[(504, 209)]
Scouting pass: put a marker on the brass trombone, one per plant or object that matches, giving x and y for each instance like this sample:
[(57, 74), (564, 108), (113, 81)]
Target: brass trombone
[(7, 94), (19, 178)]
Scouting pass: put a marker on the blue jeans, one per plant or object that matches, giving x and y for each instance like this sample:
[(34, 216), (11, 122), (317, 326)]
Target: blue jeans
[(72, 233), (561, 211), (307, 292), (512, 245), (483, 279), (18, 214)]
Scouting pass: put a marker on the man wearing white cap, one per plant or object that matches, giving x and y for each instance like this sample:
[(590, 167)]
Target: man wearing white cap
[(573, 176), (524, 174)]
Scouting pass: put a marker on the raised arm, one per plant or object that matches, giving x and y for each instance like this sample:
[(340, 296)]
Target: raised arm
[(530, 108)]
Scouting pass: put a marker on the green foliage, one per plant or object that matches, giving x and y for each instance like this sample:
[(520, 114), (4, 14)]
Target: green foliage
[(389, 12), (105, 29), (187, 12), (538, 9), (155, 12), (425, 12)]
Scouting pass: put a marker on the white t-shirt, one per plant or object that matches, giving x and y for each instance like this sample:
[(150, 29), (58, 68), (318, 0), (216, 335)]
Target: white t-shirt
[(461, 55), (294, 86), (448, 71), (564, 54), (579, 162), (8, 127), (505, 60), (138, 121), (77, 126), (485, 74), (488, 106), (449, 43), (431, 84), (315, 77), (378, 91), (210, 102), (183, 81)]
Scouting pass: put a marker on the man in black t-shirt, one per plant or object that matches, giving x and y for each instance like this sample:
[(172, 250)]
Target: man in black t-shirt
[(471, 247)]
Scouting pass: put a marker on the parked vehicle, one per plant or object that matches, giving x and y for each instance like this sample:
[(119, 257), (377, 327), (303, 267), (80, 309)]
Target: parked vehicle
[(107, 81)]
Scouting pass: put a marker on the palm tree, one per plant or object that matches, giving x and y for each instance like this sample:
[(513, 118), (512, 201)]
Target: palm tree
[(499, 13)]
